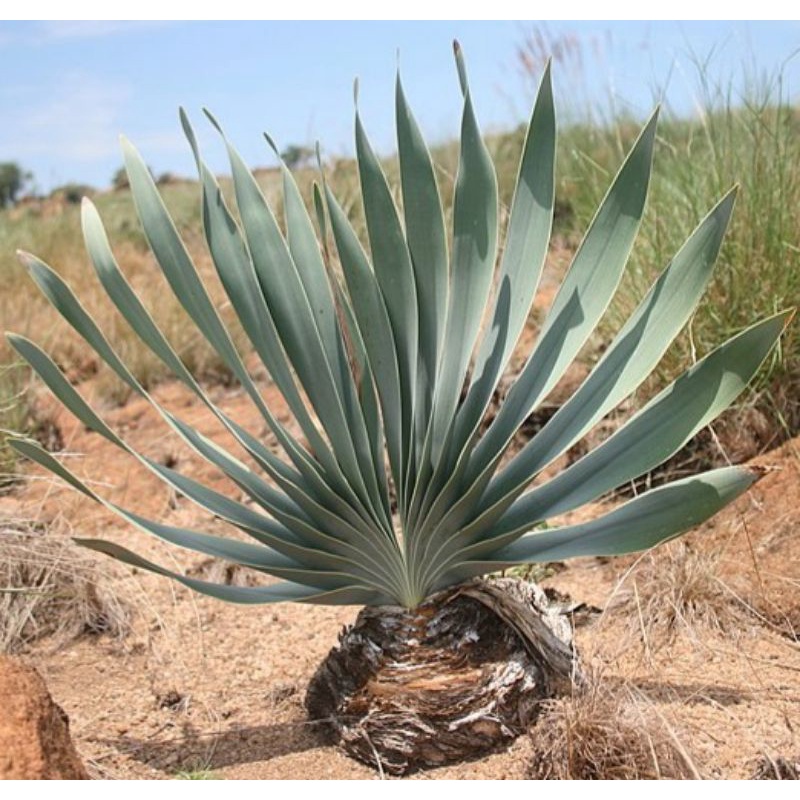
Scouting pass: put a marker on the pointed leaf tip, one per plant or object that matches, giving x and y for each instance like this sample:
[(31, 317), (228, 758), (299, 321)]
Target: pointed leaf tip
[(188, 131), (24, 257), (758, 471), (213, 120), (461, 67), (271, 143)]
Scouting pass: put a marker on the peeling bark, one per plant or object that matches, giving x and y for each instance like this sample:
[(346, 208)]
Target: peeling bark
[(458, 677)]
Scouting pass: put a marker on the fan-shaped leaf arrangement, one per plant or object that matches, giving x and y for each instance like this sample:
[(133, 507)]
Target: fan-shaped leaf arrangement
[(390, 363)]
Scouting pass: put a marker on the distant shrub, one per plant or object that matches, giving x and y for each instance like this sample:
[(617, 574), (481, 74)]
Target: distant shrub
[(119, 180), (72, 193), (12, 180), (297, 155)]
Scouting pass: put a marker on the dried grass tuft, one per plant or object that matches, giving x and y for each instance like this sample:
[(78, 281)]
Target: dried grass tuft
[(606, 732), (678, 588), (216, 571), (777, 769), (50, 588)]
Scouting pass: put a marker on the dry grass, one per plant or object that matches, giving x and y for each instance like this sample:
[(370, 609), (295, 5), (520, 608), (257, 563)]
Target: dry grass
[(53, 233), (50, 588), (678, 588), (607, 732), (19, 411), (777, 769), (223, 572)]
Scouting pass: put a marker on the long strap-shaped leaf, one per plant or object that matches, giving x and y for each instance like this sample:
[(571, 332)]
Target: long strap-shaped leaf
[(651, 518), (474, 249), (380, 554), (581, 300), (367, 392), (395, 277), (358, 362), (178, 268), (372, 318), (65, 302), (180, 273), (630, 358), (521, 267), (307, 549), (241, 284), (471, 270), (658, 431), (294, 538), (306, 255), (290, 311), (260, 557), (132, 309), (279, 593), (665, 424), (305, 252), (427, 244), (329, 532)]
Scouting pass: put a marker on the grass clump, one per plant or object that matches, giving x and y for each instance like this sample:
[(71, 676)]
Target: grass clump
[(197, 775), (753, 139), (50, 588), (606, 732), (19, 412), (678, 588), (777, 769), (15, 415)]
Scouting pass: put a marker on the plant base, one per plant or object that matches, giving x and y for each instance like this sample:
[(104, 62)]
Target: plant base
[(458, 677)]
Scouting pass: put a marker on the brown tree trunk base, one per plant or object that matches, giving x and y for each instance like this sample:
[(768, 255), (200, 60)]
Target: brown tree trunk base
[(458, 677)]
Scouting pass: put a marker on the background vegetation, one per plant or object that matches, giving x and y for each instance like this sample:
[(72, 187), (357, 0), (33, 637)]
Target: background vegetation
[(752, 140)]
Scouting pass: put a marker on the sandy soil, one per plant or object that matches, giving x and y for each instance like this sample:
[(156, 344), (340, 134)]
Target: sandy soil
[(201, 686)]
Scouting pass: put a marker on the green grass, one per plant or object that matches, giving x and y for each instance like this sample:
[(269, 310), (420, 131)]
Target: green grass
[(197, 775), (755, 145), (16, 414)]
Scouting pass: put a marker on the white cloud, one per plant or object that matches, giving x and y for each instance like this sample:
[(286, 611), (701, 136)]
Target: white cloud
[(43, 33), (77, 121), (89, 29), (67, 128)]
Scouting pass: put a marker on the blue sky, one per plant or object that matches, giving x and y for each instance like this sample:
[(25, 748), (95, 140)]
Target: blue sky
[(70, 88)]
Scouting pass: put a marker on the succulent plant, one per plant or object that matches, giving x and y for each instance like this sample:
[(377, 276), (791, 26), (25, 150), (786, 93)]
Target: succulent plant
[(388, 359)]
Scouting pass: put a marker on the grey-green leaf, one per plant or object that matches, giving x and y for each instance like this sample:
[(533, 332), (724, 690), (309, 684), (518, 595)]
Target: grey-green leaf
[(644, 522)]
